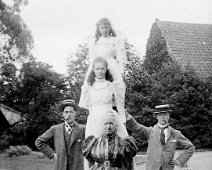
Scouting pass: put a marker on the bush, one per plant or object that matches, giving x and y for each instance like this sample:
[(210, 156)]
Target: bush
[(4, 142), (16, 134), (18, 150)]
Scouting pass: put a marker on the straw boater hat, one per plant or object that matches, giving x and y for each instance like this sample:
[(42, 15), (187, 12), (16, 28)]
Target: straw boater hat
[(166, 108), (67, 102)]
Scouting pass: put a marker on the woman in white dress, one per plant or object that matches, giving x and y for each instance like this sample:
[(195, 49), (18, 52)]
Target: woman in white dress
[(107, 45), (99, 94)]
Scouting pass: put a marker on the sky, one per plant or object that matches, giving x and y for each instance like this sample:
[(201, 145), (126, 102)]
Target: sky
[(58, 26)]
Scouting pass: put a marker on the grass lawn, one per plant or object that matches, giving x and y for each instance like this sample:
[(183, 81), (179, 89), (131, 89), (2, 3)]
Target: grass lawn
[(201, 160), (36, 161)]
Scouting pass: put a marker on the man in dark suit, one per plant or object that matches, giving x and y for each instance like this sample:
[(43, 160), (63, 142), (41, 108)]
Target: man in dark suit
[(67, 136), (162, 141)]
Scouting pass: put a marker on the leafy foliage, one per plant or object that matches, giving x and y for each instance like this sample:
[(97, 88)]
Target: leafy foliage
[(14, 135), (37, 88), (18, 150), (16, 40), (8, 81), (156, 51), (77, 68), (4, 142), (192, 98)]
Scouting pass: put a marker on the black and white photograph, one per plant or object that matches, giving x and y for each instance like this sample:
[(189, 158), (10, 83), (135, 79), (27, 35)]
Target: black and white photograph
[(105, 84)]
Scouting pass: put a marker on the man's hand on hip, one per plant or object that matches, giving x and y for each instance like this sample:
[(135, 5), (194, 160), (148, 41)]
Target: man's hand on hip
[(175, 162)]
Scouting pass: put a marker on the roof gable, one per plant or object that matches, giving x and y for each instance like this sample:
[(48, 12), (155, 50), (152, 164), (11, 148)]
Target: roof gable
[(189, 44), (11, 115)]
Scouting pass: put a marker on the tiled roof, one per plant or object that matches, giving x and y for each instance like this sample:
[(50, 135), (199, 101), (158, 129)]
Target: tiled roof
[(189, 44)]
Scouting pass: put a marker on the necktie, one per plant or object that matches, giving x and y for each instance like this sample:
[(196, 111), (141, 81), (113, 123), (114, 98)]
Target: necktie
[(162, 136), (68, 128)]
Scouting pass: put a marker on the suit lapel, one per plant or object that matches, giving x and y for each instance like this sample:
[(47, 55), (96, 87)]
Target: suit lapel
[(157, 132), (75, 133), (61, 136), (169, 133)]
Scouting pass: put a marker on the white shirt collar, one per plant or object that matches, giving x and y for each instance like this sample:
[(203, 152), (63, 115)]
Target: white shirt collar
[(68, 127), (163, 126)]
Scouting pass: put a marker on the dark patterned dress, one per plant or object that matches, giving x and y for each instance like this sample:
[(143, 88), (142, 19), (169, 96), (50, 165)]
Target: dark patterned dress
[(109, 152)]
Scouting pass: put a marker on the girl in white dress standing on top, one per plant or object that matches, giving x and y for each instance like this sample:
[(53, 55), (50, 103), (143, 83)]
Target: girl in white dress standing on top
[(107, 45)]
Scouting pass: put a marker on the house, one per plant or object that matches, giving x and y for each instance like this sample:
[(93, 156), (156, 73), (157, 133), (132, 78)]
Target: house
[(8, 116), (186, 43)]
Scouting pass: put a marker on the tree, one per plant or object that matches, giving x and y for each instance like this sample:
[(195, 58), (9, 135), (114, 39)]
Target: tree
[(15, 44), (77, 68), (40, 85), (16, 40), (136, 79), (8, 83), (156, 51), (192, 99), (39, 90)]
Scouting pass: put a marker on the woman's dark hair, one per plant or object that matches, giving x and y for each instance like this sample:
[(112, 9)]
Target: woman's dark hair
[(103, 21), (91, 76)]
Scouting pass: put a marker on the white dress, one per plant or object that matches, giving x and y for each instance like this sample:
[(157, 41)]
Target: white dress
[(113, 50), (98, 99)]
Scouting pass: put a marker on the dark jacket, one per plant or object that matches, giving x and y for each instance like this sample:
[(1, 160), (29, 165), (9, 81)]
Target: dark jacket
[(57, 133)]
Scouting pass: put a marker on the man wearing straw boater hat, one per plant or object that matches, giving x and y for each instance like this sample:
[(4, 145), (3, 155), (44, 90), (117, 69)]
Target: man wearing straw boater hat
[(67, 136), (162, 141)]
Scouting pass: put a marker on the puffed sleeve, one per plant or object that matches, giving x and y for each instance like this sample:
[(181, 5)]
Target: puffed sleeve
[(129, 151), (85, 97), (87, 146), (120, 53), (119, 89)]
